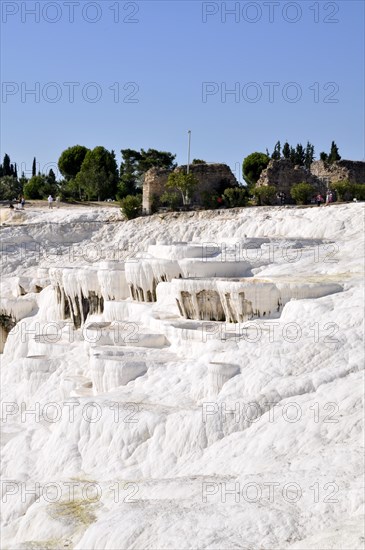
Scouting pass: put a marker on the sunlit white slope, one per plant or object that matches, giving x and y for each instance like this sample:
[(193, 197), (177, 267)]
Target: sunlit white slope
[(290, 449)]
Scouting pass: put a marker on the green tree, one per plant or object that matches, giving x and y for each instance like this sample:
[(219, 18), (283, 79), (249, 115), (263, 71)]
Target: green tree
[(98, 176), (252, 167), (302, 192), (51, 177), (286, 150), (39, 187), (10, 188), (136, 163), (153, 158), (292, 155), (33, 188), (323, 157), (34, 167), (299, 155), (198, 161), (184, 183), (23, 181), (7, 171), (344, 189), (276, 155), (334, 154), (129, 173), (131, 206), (309, 155), (265, 194), (71, 160)]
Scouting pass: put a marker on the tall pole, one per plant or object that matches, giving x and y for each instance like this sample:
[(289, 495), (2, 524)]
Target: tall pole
[(189, 134)]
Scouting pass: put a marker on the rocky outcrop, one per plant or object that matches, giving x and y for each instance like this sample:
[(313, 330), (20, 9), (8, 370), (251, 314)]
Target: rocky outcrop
[(211, 178), (354, 171), (282, 174)]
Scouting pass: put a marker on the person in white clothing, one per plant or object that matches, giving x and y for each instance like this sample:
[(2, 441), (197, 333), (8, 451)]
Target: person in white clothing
[(50, 201)]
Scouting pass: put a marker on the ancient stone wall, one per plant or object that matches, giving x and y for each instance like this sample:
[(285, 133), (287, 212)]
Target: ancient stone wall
[(153, 186), (354, 171), (211, 177)]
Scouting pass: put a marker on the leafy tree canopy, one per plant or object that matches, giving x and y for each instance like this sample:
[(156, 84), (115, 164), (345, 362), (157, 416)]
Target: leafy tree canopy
[(10, 188), (71, 160), (253, 165), (98, 176), (39, 187), (136, 163), (184, 183)]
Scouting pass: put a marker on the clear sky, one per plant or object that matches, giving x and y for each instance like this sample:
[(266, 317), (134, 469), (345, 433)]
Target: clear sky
[(141, 74)]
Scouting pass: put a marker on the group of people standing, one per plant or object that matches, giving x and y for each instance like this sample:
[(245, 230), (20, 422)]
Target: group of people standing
[(51, 201), (329, 198)]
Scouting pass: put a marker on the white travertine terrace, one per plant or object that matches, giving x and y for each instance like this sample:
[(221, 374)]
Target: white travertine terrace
[(144, 274), (238, 300), (289, 342), (109, 371)]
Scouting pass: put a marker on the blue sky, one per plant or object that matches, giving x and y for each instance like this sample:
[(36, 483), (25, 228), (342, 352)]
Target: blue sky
[(177, 60)]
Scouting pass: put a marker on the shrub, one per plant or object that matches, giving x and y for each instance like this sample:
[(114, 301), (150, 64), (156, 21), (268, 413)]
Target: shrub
[(171, 199), (358, 191), (132, 206), (211, 200), (343, 189), (235, 196), (265, 194), (302, 192)]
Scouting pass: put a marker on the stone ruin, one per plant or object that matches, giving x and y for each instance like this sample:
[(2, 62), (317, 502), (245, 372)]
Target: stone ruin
[(283, 175), (211, 177)]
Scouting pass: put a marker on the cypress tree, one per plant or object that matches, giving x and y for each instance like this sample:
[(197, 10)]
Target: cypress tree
[(309, 155), (286, 150), (334, 154), (277, 151), (6, 166)]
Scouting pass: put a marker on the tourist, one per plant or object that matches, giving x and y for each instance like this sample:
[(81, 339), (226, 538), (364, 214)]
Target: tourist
[(58, 200), (319, 199), (50, 201), (22, 203), (281, 198)]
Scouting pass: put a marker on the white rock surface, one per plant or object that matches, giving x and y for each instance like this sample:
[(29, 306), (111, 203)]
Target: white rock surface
[(179, 433)]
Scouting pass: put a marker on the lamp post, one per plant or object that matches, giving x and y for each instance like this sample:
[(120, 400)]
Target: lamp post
[(189, 134)]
